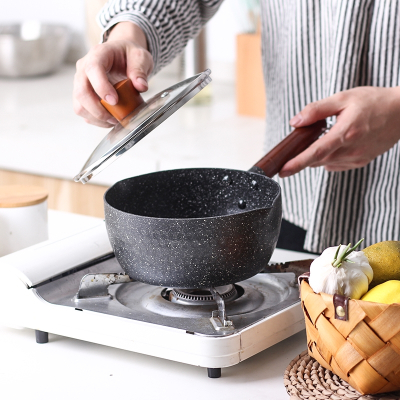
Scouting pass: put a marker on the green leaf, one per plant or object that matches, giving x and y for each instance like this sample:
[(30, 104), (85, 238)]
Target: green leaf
[(340, 258)]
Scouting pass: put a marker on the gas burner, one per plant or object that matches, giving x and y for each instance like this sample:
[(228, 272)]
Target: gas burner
[(201, 296), (154, 300)]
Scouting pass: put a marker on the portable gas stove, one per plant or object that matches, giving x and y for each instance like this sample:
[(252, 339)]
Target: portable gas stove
[(75, 287)]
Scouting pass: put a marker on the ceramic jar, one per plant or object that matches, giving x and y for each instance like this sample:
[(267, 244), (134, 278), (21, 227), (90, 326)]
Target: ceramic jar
[(23, 217)]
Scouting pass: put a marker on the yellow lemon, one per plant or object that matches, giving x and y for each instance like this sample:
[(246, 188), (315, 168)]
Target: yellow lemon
[(384, 259), (388, 293)]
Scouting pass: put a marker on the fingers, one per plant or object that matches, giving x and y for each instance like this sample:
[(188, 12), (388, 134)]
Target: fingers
[(90, 119), (315, 155), (348, 158), (90, 84), (98, 79), (104, 65), (98, 63), (87, 103), (318, 110), (320, 150), (139, 67), (366, 126)]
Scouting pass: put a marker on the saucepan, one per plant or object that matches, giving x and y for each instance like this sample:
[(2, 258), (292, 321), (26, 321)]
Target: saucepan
[(201, 227), (189, 228)]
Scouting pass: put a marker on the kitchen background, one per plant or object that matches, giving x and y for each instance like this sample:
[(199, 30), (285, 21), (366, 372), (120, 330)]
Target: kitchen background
[(43, 142)]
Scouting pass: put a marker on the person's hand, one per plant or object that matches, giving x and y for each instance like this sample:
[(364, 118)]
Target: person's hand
[(367, 125), (124, 55)]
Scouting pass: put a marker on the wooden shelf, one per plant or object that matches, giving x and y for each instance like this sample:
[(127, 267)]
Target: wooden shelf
[(64, 195)]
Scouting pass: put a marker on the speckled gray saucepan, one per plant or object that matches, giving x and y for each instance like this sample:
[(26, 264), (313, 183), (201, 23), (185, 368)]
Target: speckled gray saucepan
[(197, 228)]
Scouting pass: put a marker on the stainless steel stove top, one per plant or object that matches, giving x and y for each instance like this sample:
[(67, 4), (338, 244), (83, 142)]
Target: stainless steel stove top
[(255, 299)]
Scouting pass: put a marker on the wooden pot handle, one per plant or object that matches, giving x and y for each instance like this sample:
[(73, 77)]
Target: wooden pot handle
[(128, 99), (293, 144)]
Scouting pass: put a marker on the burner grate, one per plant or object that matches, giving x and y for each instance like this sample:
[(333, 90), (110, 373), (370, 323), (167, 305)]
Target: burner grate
[(203, 296)]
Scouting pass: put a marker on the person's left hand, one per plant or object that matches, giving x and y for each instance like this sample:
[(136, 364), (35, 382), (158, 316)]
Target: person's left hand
[(367, 125)]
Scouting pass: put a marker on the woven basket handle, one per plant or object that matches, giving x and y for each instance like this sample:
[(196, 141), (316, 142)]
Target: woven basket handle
[(340, 303)]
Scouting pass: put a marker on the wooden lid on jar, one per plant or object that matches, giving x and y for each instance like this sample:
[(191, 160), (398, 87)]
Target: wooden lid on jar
[(21, 195)]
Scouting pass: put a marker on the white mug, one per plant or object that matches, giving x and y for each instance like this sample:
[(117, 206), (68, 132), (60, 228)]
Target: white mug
[(23, 217)]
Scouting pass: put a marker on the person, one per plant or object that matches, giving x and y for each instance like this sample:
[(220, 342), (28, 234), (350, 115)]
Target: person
[(338, 60)]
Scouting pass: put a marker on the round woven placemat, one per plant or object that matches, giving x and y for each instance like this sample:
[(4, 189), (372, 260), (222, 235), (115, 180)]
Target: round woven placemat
[(305, 378)]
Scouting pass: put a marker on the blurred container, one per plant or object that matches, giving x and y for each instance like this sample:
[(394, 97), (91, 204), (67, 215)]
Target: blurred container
[(32, 48), (23, 217), (250, 88)]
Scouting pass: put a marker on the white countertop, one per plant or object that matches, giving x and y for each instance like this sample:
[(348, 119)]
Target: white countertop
[(66, 369), (69, 369), (40, 134)]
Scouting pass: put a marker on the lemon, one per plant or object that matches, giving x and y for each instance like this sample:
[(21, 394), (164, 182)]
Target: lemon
[(388, 293), (384, 258)]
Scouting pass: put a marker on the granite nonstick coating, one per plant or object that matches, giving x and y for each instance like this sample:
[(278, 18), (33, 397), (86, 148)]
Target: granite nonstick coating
[(193, 228)]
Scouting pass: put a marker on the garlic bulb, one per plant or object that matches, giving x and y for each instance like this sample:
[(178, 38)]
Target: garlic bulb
[(347, 273)]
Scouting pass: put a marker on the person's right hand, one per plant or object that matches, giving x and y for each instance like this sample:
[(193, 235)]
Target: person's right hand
[(124, 55)]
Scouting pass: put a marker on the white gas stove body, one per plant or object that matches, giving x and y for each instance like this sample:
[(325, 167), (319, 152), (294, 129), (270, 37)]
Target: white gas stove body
[(25, 269)]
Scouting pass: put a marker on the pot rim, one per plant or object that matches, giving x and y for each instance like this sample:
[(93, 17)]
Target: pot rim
[(244, 212)]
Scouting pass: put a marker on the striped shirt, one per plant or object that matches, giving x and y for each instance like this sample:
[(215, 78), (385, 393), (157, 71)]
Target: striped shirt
[(311, 50)]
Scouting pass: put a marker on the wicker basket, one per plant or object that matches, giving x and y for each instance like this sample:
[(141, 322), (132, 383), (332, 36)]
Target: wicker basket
[(364, 350)]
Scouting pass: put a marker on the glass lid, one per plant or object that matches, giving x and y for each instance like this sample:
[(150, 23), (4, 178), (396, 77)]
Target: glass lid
[(140, 122)]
